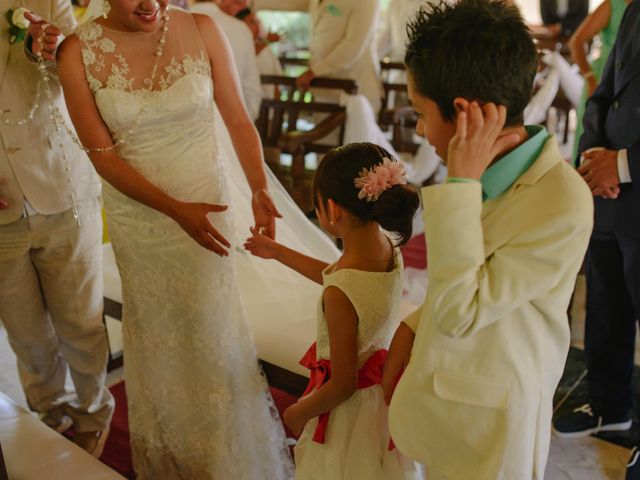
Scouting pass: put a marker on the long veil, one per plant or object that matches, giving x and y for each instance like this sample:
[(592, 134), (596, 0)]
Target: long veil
[(280, 304)]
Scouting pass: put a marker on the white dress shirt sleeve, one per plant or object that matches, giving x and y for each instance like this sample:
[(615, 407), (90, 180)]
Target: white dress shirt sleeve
[(624, 174), (250, 81)]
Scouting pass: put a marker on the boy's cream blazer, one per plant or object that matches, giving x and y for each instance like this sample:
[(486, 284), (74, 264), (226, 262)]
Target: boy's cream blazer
[(31, 157), (476, 399)]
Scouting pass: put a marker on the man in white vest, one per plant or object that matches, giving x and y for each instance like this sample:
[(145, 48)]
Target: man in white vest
[(342, 41), (50, 262), (242, 48), (393, 35)]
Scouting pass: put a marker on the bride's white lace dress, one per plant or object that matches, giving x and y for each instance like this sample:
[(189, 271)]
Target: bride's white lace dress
[(198, 406)]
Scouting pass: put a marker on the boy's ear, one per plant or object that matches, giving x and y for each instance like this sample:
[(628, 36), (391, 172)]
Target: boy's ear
[(460, 104)]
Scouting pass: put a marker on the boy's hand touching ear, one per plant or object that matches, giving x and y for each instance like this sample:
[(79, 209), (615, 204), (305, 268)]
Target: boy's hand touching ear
[(478, 140)]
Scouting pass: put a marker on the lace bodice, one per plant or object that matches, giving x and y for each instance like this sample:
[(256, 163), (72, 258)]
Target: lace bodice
[(376, 298), (157, 122)]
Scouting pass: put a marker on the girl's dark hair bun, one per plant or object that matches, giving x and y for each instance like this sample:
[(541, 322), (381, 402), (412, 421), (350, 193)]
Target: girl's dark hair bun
[(394, 210), (335, 179)]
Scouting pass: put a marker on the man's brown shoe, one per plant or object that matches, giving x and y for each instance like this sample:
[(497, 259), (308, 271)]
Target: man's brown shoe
[(92, 442)]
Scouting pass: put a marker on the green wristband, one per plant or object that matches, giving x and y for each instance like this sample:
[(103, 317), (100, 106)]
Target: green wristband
[(461, 180)]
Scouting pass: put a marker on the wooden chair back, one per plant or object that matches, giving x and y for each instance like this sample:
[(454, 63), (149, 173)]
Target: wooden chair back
[(278, 126)]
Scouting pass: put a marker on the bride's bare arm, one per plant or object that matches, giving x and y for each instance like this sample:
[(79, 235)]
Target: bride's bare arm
[(93, 133), (244, 136)]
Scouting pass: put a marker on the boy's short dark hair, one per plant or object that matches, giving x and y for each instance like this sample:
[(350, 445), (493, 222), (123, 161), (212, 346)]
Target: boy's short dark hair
[(477, 49)]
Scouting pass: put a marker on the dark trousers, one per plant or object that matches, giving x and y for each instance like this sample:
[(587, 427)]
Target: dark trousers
[(613, 302)]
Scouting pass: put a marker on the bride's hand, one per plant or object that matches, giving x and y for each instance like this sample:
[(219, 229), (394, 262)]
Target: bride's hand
[(192, 217), (260, 245), (265, 213)]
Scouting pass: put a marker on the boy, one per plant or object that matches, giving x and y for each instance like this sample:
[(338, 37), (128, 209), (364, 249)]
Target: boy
[(506, 235)]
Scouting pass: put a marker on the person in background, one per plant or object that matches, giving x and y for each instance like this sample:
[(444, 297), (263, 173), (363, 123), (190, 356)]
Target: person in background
[(268, 63), (610, 164), (392, 40), (342, 44), (242, 46), (50, 240), (603, 22), (562, 17)]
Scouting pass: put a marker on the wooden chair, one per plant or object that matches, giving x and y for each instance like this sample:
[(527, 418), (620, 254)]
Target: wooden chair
[(396, 113), (278, 127), (294, 65), (394, 93)]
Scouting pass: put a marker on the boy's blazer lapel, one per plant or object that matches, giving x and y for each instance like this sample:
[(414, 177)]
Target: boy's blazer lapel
[(546, 161)]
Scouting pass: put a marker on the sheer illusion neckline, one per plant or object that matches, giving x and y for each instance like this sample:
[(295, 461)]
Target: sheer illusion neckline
[(113, 59)]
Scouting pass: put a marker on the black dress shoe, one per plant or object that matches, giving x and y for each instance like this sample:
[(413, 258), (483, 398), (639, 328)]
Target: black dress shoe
[(633, 467)]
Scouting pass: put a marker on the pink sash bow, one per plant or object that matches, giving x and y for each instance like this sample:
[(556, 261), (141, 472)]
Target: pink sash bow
[(320, 372)]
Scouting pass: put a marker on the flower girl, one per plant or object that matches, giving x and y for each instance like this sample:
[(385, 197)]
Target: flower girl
[(342, 417)]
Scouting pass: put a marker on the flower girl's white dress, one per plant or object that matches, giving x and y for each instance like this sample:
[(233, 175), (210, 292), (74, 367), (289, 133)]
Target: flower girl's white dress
[(356, 438)]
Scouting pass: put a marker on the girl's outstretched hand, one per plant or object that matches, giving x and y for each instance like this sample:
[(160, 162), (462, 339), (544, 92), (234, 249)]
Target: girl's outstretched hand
[(265, 213), (479, 139), (260, 245)]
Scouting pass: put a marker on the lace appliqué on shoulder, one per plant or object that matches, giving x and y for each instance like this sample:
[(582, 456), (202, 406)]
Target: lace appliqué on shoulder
[(93, 49)]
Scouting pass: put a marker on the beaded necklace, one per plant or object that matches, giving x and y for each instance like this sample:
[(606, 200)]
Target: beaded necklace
[(59, 121)]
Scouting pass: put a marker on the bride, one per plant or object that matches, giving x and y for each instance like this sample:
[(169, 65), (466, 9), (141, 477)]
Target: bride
[(143, 86)]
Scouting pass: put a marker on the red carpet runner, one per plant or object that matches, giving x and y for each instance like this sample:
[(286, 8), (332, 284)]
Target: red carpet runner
[(414, 253), (117, 452)]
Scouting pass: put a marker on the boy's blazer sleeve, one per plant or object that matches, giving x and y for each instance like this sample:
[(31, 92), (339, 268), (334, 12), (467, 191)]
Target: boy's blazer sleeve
[(469, 290)]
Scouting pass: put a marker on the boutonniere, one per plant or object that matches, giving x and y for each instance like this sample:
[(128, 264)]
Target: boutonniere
[(18, 24), (334, 10)]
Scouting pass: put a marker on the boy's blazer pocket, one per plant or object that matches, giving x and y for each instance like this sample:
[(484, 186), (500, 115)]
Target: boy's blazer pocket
[(475, 390)]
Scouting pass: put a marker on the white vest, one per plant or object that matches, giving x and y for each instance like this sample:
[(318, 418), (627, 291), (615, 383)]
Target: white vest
[(31, 156), (342, 43)]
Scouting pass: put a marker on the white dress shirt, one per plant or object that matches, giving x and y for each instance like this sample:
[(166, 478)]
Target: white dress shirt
[(241, 43)]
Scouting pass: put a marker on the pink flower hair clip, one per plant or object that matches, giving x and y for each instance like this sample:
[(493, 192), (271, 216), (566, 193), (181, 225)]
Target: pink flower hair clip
[(372, 182)]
